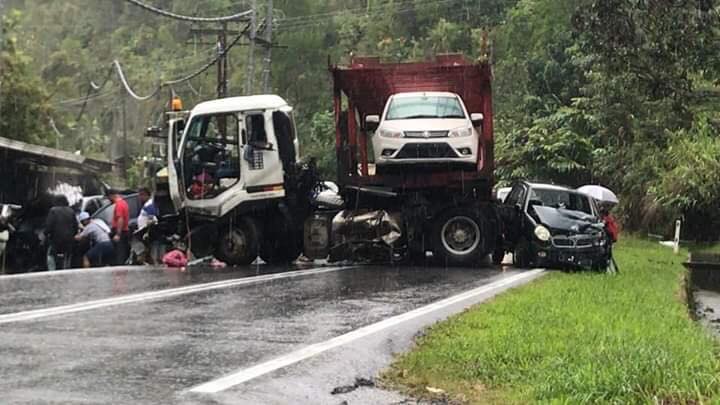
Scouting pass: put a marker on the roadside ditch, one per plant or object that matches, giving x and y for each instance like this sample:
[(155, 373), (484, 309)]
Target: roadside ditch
[(703, 289)]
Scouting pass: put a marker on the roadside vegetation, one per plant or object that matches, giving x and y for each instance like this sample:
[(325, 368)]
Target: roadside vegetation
[(574, 338)]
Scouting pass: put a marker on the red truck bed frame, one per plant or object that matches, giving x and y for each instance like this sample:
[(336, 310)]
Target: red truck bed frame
[(367, 83)]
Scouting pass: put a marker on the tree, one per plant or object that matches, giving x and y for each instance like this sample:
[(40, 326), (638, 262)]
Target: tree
[(24, 110)]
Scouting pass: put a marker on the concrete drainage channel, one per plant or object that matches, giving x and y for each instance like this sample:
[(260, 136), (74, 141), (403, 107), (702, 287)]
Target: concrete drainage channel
[(703, 289)]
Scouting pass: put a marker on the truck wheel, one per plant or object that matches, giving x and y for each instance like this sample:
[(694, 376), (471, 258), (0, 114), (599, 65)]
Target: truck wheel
[(458, 238), (238, 244), (277, 251)]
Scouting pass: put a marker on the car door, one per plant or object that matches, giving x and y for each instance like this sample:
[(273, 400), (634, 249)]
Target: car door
[(512, 214)]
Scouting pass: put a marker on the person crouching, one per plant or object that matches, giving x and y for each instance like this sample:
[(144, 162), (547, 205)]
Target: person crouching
[(97, 233)]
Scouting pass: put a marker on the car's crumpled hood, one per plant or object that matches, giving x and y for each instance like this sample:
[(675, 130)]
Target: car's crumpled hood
[(564, 220)]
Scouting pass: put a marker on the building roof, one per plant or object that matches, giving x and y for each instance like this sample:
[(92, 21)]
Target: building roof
[(51, 156), (261, 102)]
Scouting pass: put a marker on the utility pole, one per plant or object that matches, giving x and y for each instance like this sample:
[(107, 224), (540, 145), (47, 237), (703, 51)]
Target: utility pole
[(249, 84), (267, 73), (222, 63), (221, 44), (125, 144)]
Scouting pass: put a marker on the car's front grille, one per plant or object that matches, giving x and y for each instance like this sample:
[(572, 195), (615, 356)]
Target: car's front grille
[(426, 134), (575, 241), (426, 151)]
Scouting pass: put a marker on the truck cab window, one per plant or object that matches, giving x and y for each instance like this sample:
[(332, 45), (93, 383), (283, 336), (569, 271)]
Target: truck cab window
[(211, 157), (255, 126)]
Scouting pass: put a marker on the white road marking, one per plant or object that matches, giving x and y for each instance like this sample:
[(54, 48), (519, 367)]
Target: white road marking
[(93, 270), (244, 375), (156, 295)]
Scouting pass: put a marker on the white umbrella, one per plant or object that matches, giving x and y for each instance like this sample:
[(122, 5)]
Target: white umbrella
[(599, 193)]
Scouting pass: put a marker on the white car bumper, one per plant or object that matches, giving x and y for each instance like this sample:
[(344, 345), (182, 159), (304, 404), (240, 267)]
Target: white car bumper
[(425, 150)]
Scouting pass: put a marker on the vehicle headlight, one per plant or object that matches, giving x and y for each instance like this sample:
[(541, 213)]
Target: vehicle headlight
[(459, 132), (542, 233), (386, 133)]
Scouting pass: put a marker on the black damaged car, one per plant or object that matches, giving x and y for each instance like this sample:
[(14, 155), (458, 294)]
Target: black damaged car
[(553, 227)]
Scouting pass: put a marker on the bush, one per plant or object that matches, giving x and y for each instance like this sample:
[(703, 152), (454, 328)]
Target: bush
[(689, 186)]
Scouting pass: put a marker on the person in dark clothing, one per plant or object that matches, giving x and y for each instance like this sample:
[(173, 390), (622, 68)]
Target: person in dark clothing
[(61, 226)]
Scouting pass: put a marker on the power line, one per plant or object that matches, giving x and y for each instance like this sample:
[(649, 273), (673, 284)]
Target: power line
[(235, 17), (128, 88)]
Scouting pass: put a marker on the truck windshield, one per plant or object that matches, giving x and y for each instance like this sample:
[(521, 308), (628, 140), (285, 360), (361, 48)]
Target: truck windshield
[(211, 157), (405, 108)]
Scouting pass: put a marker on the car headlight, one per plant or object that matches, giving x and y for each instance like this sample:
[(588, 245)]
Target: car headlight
[(542, 233), (386, 133), (460, 132)]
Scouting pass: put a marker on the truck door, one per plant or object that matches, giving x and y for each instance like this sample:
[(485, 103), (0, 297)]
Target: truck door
[(177, 188), (261, 164)]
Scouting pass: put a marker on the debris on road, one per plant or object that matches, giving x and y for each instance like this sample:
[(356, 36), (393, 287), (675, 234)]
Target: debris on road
[(359, 382)]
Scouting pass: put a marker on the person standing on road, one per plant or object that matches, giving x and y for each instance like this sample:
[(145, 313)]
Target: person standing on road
[(148, 210), (97, 233), (60, 229), (120, 230)]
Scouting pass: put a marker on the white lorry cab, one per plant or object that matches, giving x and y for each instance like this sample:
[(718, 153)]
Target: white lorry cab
[(233, 151)]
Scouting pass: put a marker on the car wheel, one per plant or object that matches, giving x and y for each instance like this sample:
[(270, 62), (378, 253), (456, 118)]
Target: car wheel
[(239, 242), (458, 238)]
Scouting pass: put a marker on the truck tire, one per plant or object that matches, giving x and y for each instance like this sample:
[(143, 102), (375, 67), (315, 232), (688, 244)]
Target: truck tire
[(282, 243), (239, 242), (280, 249), (457, 238)]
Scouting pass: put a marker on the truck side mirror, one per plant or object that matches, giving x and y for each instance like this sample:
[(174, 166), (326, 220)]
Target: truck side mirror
[(477, 119), (372, 122)]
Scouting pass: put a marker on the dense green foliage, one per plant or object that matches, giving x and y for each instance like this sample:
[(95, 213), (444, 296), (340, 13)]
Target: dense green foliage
[(586, 91), (576, 338), (21, 96)]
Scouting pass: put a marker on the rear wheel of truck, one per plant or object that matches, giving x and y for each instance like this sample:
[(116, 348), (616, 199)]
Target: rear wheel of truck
[(239, 242), (280, 249), (281, 244), (457, 238)]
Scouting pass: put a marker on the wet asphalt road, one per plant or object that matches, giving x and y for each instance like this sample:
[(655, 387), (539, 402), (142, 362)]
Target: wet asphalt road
[(153, 335)]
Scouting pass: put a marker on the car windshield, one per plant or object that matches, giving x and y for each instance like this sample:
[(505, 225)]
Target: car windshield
[(557, 198), (403, 108)]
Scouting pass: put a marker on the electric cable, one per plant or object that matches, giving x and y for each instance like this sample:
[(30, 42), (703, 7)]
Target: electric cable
[(128, 88), (235, 17)]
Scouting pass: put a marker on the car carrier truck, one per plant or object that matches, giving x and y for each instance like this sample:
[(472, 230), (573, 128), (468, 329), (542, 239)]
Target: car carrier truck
[(241, 191)]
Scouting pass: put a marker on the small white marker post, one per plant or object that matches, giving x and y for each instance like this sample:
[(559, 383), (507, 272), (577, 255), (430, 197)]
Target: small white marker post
[(676, 245)]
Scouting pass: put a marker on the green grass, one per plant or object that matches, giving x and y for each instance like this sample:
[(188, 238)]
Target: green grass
[(574, 338)]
